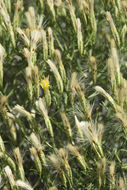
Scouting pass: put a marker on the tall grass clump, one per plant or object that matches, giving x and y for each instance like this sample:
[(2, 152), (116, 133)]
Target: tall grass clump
[(63, 94)]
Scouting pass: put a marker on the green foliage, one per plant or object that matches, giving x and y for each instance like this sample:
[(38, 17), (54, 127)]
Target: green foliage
[(63, 94)]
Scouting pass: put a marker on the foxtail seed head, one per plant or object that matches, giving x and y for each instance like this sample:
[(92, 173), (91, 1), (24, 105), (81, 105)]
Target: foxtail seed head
[(10, 177), (2, 55), (50, 42), (113, 28), (38, 146), (107, 96), (18, 158), (79, 36), (56, 74), (61, 66), (50, 3), (2, 147), (23, 185), (45, 45), (36, 159), (22, 112), (53, 188), (44, 111)]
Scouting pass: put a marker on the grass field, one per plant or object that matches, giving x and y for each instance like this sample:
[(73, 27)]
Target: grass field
[(63, 94)]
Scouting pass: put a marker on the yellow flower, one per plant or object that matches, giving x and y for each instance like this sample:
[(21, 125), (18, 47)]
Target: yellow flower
[(45, 83)]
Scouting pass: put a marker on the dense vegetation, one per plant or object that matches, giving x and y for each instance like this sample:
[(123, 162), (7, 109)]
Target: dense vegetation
[(63, 94)]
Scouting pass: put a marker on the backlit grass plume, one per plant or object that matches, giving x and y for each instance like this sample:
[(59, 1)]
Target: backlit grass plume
[(112, 175), (23, 185), (80, 158), (61, 66), (64, 159), (39, 147), (18, 158), (57, 164), (6, 18), (50, 42), (36, 160), (107, 96), (93, 135), (67, 125), (10, 177), (113, 27), (44, 112), (56, 74), (2, 55)]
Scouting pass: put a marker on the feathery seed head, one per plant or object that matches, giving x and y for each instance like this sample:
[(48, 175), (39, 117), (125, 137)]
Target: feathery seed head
[(35, 141), (50, 42), (107, 96), (22, 111), (2, 147), (23, 36), (112, 175), (55, 161), (2, 53), (56, 74), (63, 154), (10, 177), (79, 36), (53, 188), (121, 184), (18, 158), (36, 159), (73, 150), (23, 185)]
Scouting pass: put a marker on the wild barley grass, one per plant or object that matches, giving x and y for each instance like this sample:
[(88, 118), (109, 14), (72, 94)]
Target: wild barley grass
[(18, 159), (50, 42), (39, 148), (63, 94), (112, 175), (23, 185), (10, 177)]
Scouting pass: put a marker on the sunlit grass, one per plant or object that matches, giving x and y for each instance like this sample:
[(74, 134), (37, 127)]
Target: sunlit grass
[(63, 94)]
